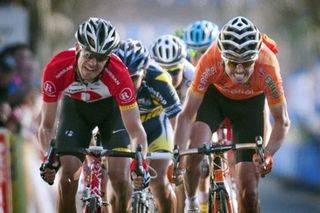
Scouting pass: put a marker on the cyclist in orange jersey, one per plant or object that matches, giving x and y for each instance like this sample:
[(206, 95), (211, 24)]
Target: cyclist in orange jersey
[(233, 78)]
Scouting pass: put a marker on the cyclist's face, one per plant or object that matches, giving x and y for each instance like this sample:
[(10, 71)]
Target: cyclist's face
[(195, 55), (90, 64), (239, 72), (137, 80), (176, 73)]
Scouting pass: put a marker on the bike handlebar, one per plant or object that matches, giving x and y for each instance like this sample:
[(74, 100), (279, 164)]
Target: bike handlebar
[(98, 151), (208, 149), (51, 156), (215, 148), (139, 157)]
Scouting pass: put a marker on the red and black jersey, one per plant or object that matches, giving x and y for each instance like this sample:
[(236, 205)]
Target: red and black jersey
[(59, 77)]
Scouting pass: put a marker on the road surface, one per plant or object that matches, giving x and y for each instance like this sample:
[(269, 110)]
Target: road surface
[(277, 196)]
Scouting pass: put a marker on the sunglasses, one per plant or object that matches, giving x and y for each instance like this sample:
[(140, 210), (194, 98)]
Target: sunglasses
[(99, 57), (233, 64), (175, 70)]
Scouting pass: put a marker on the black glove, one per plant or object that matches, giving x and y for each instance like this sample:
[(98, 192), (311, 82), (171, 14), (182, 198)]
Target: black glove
[(145, 175), (50, 164)]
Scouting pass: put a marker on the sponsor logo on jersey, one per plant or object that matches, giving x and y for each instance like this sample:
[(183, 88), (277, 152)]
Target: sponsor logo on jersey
[(126, 95), (61, 72), (49, 88), (205, 77), (76, 87), (272, 86), (238, 91), (157, 95), (113, 77)]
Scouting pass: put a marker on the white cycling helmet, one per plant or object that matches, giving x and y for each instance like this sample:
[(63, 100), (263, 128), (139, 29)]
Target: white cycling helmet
[(168, 50), (97, 35), (200, 34), (239, 40)]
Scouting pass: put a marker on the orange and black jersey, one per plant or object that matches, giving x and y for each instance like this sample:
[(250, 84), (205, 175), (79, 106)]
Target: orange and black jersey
[(266, 78)]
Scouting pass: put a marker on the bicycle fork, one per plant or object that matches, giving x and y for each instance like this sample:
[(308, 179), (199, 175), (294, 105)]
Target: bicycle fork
[(94, 193), (220, 197)]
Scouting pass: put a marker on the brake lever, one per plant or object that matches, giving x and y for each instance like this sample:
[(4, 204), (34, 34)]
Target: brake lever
[(260, 151)]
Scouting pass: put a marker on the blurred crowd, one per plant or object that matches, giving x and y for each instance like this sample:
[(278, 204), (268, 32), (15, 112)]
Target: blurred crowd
[(19, 109), (19, 90)]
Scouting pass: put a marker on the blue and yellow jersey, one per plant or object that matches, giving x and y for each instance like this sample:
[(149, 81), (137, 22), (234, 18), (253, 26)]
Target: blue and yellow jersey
[(158, 101), (157, 95)]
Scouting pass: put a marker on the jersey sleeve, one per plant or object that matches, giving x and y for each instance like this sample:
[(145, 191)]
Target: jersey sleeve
[(204, 72), (272, 82), (164, 93), (123, 91), (50, 86)]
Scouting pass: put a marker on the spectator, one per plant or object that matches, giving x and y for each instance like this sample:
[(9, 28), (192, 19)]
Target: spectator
[(24, 80)]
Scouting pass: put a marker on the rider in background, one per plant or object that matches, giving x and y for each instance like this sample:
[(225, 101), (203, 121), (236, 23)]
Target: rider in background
[(170, 53), (232, 79), (159, 105), (198, 36), (93, 83)]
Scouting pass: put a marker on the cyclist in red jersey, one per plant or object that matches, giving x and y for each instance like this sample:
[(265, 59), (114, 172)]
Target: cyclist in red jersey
[(233, 78), (93, 84)]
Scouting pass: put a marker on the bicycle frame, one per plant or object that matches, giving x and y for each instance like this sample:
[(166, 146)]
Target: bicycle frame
[(219, 192), (93, 195), (142, 199), (219, 198), (93, 200)]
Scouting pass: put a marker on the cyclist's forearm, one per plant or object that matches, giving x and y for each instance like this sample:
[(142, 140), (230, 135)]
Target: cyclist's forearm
[(173, 122), (278, 133), (139, 137), (44, 137), (182, 131)]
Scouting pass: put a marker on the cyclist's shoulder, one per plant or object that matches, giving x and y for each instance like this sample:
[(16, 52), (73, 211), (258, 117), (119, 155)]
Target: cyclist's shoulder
[(63, 57), (212, 55), (155, 75), (267, 59), (188, 69), (116, 71), (61, 63), (115, 64)]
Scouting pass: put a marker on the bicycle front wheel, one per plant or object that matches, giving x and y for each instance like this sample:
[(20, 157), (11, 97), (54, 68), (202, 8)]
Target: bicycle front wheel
[(138, 206), (92, 206), (219, 202)]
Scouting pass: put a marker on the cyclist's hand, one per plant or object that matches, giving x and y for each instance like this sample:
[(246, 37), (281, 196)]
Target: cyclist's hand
[(48, 170), (175, 175), (140, 181), (263, 167)]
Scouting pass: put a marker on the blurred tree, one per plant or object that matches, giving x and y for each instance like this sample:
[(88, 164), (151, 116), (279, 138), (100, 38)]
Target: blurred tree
[(298, 21)]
